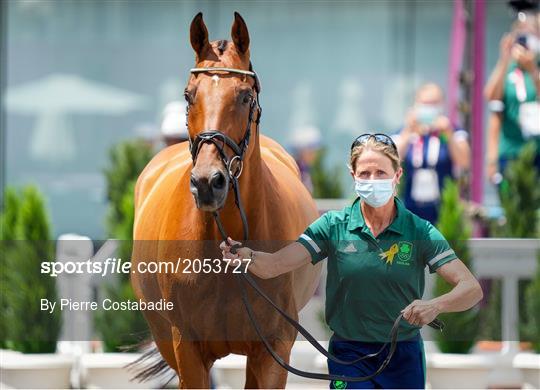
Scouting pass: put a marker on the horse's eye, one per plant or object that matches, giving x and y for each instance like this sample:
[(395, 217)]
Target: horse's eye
[(188, 97), (247, 98)]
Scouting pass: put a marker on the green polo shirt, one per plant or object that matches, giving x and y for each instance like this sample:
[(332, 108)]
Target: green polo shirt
[(511, 140), (370, 280)]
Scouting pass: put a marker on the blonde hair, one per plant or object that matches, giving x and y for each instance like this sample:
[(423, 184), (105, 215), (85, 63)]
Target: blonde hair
[(372, 144), (429, 86)]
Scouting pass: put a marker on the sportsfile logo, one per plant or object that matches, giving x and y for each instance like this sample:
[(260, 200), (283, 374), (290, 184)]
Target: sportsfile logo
[(117, 266)]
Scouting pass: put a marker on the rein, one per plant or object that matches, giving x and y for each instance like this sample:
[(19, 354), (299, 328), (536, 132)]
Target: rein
[(220, 139)]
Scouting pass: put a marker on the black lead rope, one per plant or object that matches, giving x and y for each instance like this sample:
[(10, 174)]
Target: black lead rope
[(314, 375), (303, 331), (238, 202)]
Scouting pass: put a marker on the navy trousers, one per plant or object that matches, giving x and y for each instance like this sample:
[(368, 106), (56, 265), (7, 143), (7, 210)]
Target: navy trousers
[(406, 369)]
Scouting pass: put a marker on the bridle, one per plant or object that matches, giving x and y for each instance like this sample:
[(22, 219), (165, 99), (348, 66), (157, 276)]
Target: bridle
[(234, 164), (220, 139)]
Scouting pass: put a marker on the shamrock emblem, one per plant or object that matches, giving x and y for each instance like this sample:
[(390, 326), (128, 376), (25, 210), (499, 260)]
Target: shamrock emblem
[(405, 248), (340, 384), (405, 251)]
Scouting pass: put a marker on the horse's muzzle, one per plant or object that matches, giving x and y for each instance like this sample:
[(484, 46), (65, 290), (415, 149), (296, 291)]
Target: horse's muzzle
[(210, 191)]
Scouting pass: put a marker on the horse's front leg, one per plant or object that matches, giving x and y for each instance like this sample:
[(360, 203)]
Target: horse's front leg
[(193, 368), (262, 371)]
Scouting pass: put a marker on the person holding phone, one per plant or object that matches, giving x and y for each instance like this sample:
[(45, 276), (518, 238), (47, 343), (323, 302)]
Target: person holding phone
[(377, 252), (513, 93), (433, 149)]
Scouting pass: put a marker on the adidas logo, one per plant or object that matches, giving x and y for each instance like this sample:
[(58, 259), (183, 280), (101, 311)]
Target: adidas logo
[(350, 248)]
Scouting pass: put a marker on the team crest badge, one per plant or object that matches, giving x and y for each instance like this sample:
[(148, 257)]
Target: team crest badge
[(404, 250), (340, 384)]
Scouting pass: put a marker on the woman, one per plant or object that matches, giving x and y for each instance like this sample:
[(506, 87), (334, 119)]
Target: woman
[(377, 251), (433, 149), (513, 93)]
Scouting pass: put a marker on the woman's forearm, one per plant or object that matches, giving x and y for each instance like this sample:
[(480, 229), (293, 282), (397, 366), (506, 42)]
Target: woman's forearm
[(402, 142), (495, 85), (463, 296), (535, 75), (494, 127), (263, 265), (459, 152), (269, 265)]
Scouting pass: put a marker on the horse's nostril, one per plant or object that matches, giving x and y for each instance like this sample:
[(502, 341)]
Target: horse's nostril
[(193, 181), (218, 181)]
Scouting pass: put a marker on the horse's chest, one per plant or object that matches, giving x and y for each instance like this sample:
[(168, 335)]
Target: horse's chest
[(213, 302)]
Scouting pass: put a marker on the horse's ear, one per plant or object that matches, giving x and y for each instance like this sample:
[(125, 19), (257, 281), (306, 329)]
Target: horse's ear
[(198, 34), (239, 33)]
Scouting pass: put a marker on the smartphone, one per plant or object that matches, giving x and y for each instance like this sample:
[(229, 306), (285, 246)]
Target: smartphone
[(522, 40)]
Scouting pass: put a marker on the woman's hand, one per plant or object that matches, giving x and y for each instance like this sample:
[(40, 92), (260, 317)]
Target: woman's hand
[(420, 313), (241, 253), (492, 171), (261, 267), (505, 47), (412, 126), (444, 126), (525, 58)]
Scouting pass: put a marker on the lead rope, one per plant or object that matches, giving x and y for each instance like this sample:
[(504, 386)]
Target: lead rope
[(245, 277), (314, 375), (241, 284)]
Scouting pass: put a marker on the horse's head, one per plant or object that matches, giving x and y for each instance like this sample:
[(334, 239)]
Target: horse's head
[(222, 95)]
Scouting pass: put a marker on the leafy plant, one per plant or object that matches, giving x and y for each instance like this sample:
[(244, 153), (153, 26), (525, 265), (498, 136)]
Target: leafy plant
[(461, 328), (122, 328), (520, 199), (8, 223), (326, 182), (26, 230), (127, 160), (520, 195)]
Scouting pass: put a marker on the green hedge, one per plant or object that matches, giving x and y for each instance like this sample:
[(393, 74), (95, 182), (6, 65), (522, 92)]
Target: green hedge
[(461, 329), (326, 182), (26, 242), (122, 328), (520, 195)]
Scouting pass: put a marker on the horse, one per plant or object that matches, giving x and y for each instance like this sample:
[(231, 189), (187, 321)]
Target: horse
[(176, 197)]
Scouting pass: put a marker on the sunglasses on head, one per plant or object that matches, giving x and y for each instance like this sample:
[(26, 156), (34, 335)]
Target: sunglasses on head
[(379, 137)]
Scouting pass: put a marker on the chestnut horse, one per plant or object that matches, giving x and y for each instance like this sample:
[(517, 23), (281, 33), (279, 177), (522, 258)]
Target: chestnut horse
[(175, 198)]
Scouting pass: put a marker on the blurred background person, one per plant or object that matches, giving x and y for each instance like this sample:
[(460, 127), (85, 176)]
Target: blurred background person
[(305, 144), (173, 126), (513, 90), (433, 149)]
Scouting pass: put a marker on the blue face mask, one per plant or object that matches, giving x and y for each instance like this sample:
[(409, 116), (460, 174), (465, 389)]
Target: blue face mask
[(427, 113), (375, 193)]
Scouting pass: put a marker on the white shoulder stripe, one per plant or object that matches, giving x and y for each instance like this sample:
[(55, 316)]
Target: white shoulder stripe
[(441, 256), (311, 242)]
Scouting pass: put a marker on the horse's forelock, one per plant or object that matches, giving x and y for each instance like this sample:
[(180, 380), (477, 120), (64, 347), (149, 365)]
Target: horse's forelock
[(222, 46), (224, 53)]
